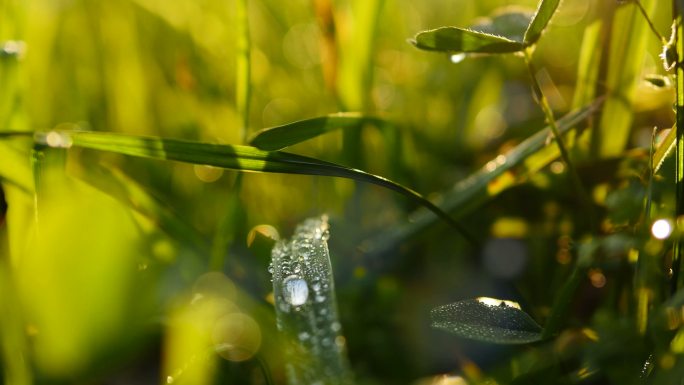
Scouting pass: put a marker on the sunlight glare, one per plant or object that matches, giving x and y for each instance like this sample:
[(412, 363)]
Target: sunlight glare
[(661, 229)]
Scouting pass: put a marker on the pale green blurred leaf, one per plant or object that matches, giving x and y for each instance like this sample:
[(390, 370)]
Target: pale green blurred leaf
[(460, 40), (541, 19)]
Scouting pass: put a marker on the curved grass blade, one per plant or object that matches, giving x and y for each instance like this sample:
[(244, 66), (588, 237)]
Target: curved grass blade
[(495, 176), (277, 138), (460, 40), (541, 19), (306, 309), (242, 158), (487, 319)]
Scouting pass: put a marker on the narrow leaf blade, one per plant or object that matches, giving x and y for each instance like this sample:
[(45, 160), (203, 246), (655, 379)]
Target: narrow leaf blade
[(236, 157), (487, 319), (460, 40), (277, 138), (540, 20)]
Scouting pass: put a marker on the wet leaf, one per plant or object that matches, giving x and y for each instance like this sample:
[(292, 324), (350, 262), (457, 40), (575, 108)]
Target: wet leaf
[(306, 308), (487, 319), (540, 20)]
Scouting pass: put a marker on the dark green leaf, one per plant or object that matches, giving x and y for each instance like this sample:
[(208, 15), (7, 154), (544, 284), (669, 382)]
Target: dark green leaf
[(658, 81), (459, 40), (242, 158), (277, 138), (487, 319), (540, 20)]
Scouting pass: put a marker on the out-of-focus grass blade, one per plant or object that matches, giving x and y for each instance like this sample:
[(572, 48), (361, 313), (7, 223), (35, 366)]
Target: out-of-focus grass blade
[(496, 176), (626, 57), (115, 183), (276, 138), (306, 308), (541, 19), (14, 167), (487, 319), (242, 158), (460, 40)]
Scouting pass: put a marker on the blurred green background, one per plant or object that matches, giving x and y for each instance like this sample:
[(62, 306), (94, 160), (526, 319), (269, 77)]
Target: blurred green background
[(107, 282)]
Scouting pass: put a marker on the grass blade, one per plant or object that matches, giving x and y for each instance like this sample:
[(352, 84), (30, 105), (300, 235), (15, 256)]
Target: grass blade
[(460, 40), (277, 138), (306, 309), (487, 319), (242, 158), (496, 176), (541, 19)]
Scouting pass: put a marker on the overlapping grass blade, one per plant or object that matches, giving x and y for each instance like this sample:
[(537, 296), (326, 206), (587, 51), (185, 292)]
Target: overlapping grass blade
[(496, 176), (461, 40), (276, 138), (242, 158), (541, 19)]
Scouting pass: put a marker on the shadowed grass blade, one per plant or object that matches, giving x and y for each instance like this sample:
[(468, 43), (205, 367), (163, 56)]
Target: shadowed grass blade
[(276, 138), (457, 40), (306, 309), (541, 19), (487, 319), (242, 158), (494, 177)]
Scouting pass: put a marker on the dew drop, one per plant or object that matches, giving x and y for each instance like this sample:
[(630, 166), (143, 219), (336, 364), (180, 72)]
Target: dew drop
[(303, 336), (335, 326), (295, 290)]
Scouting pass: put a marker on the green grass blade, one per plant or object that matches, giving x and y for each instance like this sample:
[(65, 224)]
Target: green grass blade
[(497, 175), (460, 40), (664, 149), (242, 158), (541, 19), (488, 320), (306, 309), (276, 138)]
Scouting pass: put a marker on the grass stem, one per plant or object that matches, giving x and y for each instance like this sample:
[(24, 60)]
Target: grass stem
[(565, 155)]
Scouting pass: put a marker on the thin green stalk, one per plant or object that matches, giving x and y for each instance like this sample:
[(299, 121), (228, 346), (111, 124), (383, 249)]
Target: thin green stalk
[(679, 164), (225, 232), (561, 305), (565, 155), (243, 78), (650, 22)]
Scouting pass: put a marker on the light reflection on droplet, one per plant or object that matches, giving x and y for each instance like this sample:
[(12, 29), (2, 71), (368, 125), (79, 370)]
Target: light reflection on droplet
[(169, 380), (58, 140), (457, 58), (295, 290), (598, 280), (661, 229), (557, 167), (489, 301)]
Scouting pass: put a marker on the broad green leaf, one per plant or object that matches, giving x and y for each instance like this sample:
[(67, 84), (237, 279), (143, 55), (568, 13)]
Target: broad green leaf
[(540, 20), (242, 158), (306, 308), (495, 176), (460, 40), (487, 319), (277, 138)]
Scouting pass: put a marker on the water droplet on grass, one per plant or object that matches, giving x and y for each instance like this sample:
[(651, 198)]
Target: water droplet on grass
[(295, 290)]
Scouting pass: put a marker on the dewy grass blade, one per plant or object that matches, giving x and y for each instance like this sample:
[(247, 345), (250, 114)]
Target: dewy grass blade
[(306, 309), (487, 319), (277, 138), (495, 176), (242, 158)]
